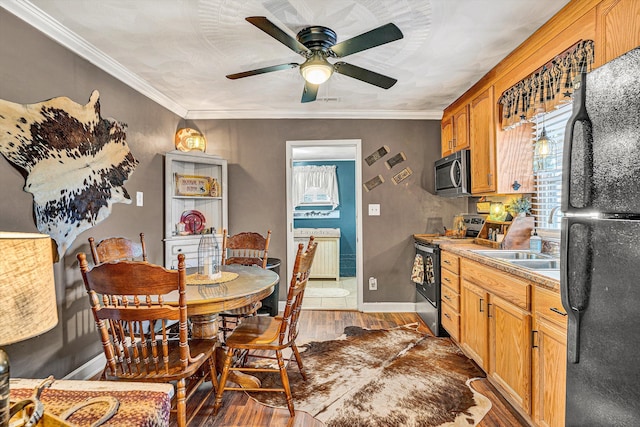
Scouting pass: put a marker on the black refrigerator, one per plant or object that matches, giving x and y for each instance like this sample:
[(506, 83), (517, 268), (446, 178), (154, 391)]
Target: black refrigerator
[(600, 250)]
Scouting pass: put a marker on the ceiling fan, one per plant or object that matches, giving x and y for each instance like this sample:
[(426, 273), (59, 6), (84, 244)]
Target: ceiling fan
[(316, 44)]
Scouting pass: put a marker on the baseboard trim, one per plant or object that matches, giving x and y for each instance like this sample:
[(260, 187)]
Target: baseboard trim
[(88, 370), (377, 307), (388, 307)]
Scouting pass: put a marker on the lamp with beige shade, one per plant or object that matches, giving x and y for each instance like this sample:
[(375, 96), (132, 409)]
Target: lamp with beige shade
[(27, 297)]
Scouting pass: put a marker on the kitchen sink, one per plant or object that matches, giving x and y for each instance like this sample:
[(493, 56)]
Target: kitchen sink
[(512, 254), (537, 264)]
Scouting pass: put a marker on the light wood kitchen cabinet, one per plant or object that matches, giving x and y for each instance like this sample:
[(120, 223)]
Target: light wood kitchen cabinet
[(496, 328), (455, 131), (617, 29), (450, 293), (510, 354), (549, 370), (483, 147), (474, 336), (446, 135)]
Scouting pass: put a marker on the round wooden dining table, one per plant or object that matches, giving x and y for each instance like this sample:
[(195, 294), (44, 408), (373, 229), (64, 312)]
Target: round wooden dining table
[(206, 300)]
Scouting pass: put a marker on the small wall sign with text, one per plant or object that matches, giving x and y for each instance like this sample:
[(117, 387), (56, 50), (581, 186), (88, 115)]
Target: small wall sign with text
[(197, 185), (373, 183), (377, 155), (398, 158), (402, 175)]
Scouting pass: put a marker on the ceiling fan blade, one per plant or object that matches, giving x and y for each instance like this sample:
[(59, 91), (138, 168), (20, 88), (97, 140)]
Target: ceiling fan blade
[(310, 92), (262, 70), (365, 75), (376, 37), (270, 28)]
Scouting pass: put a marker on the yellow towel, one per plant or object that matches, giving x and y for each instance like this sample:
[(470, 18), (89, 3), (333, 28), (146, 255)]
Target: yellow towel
[(417, 273)]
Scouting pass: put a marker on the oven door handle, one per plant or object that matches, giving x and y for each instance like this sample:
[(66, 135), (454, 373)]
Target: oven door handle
[(426, 249)]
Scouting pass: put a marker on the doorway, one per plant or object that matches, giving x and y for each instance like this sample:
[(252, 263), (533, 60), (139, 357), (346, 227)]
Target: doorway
[(326, 291)]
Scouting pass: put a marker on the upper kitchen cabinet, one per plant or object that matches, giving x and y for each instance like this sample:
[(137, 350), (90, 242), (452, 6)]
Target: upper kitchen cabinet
[(501, 161), (617, 29), (482, 124), (455, 130), (195, 203)]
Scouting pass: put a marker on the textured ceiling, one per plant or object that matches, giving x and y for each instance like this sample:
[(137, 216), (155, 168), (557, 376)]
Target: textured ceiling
[(178, 52)]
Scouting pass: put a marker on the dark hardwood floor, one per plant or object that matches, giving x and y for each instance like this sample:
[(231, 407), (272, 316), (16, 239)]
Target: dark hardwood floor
[(238, 410)]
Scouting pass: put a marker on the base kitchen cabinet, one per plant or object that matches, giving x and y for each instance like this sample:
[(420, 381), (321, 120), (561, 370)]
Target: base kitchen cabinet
[(549, 338), (496, 329), (450, 293), (474, 323)]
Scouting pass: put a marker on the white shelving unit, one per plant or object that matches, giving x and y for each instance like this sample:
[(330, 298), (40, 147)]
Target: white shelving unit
[(213, 209)]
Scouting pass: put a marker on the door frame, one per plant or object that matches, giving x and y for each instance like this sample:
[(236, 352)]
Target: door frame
[(291, 250)]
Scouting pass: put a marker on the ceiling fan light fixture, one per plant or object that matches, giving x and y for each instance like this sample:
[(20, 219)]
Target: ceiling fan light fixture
[(316, 70)]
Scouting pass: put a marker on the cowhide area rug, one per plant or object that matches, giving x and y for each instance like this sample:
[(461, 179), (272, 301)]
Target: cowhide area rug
[(396, 377)]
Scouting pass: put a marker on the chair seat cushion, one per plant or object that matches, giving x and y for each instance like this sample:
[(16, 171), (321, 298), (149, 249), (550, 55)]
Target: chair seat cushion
[(255, 330)]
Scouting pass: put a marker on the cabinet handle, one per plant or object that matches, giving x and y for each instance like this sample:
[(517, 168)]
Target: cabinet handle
[(481, 310), (447, 316), (455, 142), (447, 297), (446, 279), (534, 336), (489, 179), (489, 309), (555, 310), (446, 261)]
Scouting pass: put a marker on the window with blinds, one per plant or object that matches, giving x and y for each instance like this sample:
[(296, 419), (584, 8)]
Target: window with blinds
[(548, 170)]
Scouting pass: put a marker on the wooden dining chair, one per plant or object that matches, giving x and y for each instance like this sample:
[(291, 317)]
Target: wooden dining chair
[(259, 336), (246, 248), (126, 294), (117, 249)]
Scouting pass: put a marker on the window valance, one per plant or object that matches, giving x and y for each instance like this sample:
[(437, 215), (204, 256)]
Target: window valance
[(315, 185), (546, 88)]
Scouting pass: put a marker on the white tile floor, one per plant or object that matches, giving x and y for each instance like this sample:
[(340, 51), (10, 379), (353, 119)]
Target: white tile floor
[(349, 302)]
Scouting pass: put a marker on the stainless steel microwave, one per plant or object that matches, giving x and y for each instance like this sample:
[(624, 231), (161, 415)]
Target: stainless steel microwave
[(453, 175)]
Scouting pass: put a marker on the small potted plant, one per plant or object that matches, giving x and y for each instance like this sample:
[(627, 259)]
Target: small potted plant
[(520, 206)]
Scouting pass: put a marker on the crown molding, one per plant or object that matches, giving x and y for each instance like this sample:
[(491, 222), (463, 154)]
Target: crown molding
[(295, 114), (53, 29)]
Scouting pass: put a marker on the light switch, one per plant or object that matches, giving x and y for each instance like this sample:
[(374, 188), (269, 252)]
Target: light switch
[(139, 198), (374, 209)]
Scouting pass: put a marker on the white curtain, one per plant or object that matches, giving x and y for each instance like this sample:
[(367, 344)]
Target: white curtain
[(315, 185)]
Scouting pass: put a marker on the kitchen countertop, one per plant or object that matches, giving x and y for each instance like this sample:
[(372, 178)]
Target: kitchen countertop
[(464, 248)]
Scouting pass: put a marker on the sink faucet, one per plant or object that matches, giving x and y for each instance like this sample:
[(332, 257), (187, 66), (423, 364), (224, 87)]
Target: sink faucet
[(552, 213)]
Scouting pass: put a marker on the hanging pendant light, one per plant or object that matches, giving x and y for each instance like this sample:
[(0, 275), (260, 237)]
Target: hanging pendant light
[(543, 145)]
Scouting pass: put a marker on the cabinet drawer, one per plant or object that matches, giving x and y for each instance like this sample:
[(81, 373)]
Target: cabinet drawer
[(450, 279), (450, 297), (451, 321), (510, 288), (450, 262), (547, 304)]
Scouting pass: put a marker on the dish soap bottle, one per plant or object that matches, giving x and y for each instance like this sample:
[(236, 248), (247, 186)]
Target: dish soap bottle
[(535, 242)]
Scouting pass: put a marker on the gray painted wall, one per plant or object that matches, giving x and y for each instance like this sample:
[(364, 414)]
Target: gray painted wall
[(35, 69)]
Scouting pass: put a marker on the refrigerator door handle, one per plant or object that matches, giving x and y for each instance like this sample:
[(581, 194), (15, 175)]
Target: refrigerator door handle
[(579, 115), (575, 288)]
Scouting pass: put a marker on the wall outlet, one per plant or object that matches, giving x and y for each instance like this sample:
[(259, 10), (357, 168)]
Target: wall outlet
[(373, 284), (374, 209), (139, 198)]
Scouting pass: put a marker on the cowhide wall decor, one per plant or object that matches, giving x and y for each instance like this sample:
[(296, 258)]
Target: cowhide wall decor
[(75, 162)]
